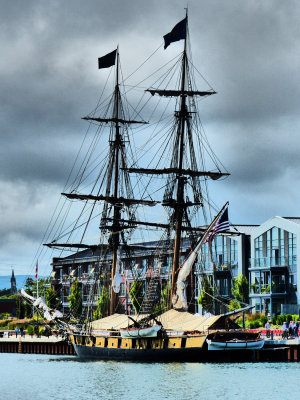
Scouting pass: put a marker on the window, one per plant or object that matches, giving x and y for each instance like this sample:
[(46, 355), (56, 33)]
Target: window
[(258, 251), (233, 252), (292, 248), (122, 289)]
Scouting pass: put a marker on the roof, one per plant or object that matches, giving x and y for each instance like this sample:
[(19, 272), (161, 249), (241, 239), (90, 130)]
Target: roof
[(115, 321), (171, 320), (246, 229), (296, 220), (185, 321)]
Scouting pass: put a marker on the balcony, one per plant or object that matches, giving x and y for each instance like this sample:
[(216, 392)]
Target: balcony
[(268, 262), (215, 267), (268, 290)]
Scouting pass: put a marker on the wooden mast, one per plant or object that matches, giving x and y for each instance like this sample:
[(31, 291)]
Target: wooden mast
[(116, 216), (180, 177)]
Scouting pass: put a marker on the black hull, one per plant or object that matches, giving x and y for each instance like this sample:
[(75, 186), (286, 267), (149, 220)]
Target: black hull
[(141, 355), (174, 355)]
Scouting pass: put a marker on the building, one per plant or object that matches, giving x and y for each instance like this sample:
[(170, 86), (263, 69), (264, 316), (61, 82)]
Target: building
[(138, 261), (274, 272), (224, 258), (266, 254)]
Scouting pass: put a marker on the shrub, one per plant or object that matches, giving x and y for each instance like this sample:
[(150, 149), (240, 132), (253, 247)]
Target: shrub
[(254, 325), (263, 320), (274, 320), (30, 330), (289, 317), (4, 322), (254, 316)]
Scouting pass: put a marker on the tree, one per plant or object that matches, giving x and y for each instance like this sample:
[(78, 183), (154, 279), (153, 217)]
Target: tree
[(75, 300), (136, 294), (240, 290), (29, 283), (233, 305), (206, 296), (163, 305), (103, 304), (5, 293), (52, 298)]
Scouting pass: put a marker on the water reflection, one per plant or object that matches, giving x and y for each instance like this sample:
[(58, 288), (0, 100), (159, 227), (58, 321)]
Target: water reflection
[(34, 377)]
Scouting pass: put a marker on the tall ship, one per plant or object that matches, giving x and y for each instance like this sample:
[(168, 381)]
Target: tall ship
[(167, 170)]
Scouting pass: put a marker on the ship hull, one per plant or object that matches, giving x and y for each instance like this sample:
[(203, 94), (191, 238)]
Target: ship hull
[(178, 349), (147, 355)]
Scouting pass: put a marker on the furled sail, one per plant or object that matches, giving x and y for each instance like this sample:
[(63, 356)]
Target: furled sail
[(179, 299), (117, 280), (40, 303)]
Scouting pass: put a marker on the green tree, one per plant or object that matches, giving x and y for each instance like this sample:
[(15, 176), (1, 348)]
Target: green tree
[(52, 298), (103, 304), (136, 294), (75, 300), (29, 284), (240, 290), (233, 305), (20, 307), (206, 296), (5, 293), (163, 305)]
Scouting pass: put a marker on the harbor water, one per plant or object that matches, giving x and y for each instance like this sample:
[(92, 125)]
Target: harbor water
[(36, 377)]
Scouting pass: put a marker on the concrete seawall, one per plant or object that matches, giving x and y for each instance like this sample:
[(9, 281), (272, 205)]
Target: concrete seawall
[(34, 345)]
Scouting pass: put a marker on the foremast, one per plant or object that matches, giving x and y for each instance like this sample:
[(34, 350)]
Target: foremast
[(116, 173)]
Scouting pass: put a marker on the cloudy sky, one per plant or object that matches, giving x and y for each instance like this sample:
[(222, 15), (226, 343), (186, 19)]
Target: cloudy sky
[(248, 50)]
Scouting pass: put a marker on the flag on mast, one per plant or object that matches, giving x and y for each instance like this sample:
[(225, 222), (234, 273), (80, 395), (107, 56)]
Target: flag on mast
[(108, 60), (222, 225), (36, 269), (177, 33)]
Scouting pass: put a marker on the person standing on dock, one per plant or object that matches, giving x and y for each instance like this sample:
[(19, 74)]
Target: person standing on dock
[(268, 327), (284, 331), (17, 331)]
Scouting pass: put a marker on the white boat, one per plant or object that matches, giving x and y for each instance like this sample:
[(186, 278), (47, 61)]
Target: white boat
[(235, 344), (148, 331)]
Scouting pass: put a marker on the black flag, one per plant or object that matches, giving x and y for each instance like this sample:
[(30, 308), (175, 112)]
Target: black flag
[(108, 60), (177, 33)]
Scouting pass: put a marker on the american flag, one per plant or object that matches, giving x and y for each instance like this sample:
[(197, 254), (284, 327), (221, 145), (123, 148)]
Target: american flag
[(36, 269), (222, 225)]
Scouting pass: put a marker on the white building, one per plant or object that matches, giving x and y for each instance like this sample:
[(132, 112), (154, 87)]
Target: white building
[(274, 270)]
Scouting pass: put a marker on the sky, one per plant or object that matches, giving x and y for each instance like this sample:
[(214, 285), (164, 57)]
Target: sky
[(249, 51)]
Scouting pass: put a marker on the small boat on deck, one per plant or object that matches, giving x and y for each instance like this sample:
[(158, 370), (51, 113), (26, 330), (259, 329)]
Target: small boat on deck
[(147, 331)]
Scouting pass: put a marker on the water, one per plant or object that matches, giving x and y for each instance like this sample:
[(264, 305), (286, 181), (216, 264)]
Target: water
[(36, 377)]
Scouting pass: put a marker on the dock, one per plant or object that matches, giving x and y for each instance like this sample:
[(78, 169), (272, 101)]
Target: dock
[(36, 345), (274, 350)]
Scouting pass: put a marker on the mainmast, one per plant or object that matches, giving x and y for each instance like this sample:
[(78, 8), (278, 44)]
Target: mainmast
[(116, 214), (183, 168), (182, 117)]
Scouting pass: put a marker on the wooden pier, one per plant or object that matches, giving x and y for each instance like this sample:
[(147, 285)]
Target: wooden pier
[(34, 345)]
